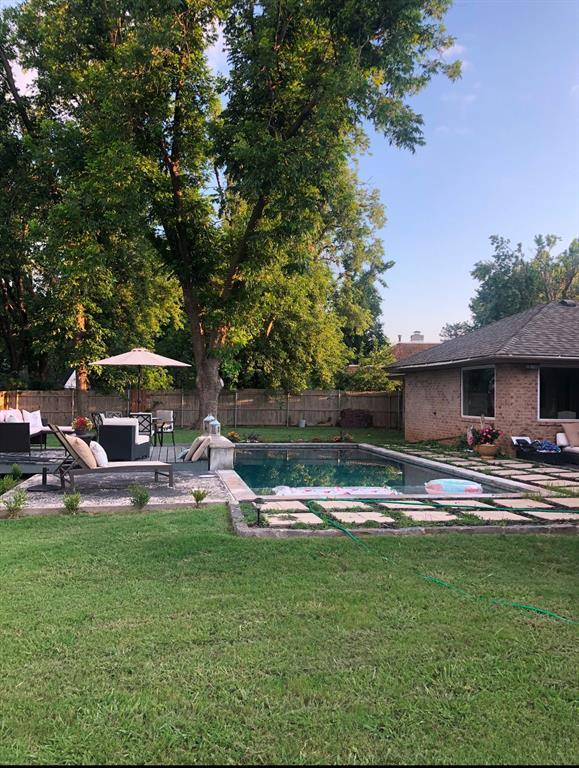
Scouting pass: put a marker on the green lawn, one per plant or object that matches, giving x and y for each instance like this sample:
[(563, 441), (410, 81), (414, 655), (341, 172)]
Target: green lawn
[(374, 435), (161, 637)]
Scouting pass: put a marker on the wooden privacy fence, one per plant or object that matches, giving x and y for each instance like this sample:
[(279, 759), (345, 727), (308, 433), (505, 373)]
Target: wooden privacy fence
[(242, 408)]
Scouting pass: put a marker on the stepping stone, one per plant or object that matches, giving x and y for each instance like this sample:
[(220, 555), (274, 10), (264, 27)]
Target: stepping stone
[(558, 471), (429, 516), (555, 483), (466, 503), (284, 521), (284, 506), (555, 516), (330, 506), (565, 501), (495, 514), (529, 477), (504, 472), (362, 517), (521, 504), (402, 507)]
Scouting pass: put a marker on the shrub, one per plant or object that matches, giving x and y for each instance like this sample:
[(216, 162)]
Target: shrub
[(199, 494), (7, 483), (253, 437), (235, 437), (16, 472), (140, 496), (15, 504), (71, 503), (343, 437)]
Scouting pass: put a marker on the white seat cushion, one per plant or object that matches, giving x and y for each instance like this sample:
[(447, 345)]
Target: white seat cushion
[(562, 440), (142, 439), (571, 450)]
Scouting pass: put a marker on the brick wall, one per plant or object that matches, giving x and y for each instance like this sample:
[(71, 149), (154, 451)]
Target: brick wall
[(432, 404)]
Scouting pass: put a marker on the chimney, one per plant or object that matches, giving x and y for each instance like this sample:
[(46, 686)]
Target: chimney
[(417, 336)]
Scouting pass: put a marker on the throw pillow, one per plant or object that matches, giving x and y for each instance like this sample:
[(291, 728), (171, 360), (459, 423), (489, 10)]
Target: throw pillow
[(14, 415), (99, 453), (83, 451), (572, 432), (34, 419)]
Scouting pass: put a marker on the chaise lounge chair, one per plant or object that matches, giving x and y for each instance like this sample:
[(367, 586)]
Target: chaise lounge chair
[(77, 465)]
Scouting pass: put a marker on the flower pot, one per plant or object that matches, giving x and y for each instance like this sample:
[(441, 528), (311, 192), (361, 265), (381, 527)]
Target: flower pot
[(487, 451)]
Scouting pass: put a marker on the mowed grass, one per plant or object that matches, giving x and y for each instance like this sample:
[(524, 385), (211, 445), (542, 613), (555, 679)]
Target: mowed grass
[(161, 637)]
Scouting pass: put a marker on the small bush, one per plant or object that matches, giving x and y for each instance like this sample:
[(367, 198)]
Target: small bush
[(199, 494), (16, 472), (71, 503), (140, 496), (252, 437), (15, 504), (235, 437), (7, 483), (343, 437)]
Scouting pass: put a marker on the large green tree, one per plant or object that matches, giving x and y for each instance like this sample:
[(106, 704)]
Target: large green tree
[(227, 176)]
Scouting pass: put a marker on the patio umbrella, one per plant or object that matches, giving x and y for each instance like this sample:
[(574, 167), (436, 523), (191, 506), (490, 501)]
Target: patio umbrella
[(140, 357)]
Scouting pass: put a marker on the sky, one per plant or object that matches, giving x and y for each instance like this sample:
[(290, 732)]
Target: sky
[(501, 157)]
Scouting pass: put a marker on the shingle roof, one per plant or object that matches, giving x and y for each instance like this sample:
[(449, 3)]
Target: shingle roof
[(547, 331), (405, 349)]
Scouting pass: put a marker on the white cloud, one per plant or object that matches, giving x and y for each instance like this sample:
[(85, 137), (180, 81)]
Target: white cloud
[(453, 51)]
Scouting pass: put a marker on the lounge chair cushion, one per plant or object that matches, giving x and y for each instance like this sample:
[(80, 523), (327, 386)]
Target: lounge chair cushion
[(99, 453), (83, 451), (572, 434)]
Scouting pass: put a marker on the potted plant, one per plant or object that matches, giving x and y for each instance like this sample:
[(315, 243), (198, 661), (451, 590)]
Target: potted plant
[(81, 425), (483, 440)]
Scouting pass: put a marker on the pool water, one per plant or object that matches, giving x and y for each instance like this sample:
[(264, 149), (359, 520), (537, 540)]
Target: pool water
[(263, 469)]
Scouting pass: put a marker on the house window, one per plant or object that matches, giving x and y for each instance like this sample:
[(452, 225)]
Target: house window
[(559, 393), (478, 392)]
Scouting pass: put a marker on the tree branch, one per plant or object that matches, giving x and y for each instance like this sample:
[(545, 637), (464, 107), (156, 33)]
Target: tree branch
[(18, 100)]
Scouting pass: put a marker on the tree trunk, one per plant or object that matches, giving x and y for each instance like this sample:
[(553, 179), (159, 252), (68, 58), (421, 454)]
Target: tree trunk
[(208, 388)]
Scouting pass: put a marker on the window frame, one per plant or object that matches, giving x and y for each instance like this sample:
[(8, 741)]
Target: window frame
[(551, 420), (477, 368)]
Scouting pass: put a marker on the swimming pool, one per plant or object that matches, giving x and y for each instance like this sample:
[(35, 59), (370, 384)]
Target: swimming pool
[(262, 469)]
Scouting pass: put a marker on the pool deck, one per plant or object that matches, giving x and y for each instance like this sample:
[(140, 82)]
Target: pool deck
[(516, 480)]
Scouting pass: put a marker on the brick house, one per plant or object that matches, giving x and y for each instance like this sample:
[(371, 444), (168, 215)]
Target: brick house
[(521, 373)]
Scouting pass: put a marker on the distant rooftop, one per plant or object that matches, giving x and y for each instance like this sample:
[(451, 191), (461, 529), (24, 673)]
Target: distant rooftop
[(545, 332)]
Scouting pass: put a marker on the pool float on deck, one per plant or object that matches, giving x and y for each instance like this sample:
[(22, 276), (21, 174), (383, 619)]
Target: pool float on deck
[(325, 490), (452, 485)]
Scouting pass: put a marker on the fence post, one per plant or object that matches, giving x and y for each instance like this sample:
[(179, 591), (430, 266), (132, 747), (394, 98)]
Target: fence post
[(287, 401), (182, 405), (339, 406), (235, 410)]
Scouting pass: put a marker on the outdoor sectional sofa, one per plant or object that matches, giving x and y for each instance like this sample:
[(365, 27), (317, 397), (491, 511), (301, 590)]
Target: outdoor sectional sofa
[(21, 429)]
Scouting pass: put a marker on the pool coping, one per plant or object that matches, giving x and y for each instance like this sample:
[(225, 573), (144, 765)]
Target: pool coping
[(240, 491)]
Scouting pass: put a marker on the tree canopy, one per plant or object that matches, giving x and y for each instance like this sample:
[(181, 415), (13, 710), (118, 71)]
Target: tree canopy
[(238, 188), (510, 282)]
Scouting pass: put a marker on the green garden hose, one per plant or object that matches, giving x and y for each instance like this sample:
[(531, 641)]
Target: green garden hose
[(313, 507)]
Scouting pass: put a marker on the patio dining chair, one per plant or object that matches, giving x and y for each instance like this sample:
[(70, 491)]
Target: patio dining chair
[(164, 425)]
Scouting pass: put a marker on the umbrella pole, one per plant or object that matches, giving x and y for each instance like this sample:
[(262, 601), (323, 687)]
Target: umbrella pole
[(139, 391)]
